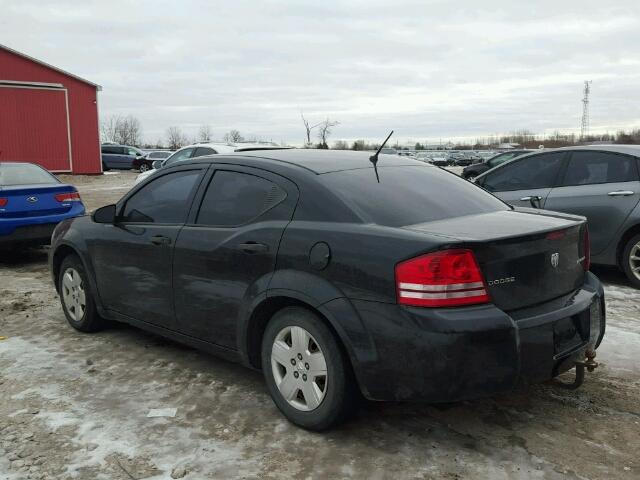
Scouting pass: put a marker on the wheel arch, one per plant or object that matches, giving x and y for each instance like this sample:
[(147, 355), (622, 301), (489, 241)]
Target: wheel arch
[(329, 312), (626, 236)]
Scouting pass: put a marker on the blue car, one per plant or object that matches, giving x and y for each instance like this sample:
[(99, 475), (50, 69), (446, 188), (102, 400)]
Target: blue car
[(32, 203)]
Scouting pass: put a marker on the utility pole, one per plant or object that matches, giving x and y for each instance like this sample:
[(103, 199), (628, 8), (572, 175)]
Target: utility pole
[(584, 127)]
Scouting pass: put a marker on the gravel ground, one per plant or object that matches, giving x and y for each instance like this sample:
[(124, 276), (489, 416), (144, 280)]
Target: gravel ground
[(74, 406)]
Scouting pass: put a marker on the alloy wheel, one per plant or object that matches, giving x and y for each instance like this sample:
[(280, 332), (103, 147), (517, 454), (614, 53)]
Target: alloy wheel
[(634, 260), (299, 368), (144, 168), (73, 294)]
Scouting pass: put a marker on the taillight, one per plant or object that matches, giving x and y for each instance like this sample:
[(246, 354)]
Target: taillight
[(586, 264), (447, 278), (68, 197), (3, 201)]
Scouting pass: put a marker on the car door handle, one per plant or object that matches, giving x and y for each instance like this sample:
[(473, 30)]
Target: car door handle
[(620, 193), (532, 197), (160, 240), (253, 247)]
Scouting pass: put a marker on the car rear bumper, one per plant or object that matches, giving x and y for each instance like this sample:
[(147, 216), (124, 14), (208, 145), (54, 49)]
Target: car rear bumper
[(443, 355), (34, 229)]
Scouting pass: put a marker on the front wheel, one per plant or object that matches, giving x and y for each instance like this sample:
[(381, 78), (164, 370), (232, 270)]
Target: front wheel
[(144, 168), (75, 295), (308, 375), (631, 260)]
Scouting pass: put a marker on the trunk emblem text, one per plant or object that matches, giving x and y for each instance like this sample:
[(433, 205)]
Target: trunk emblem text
[(501, 281), (555, 260)]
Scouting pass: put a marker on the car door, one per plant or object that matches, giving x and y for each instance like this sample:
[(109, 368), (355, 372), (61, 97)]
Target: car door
[(226, 255), (525, 182), (132, 258), (130, 154), (602, 186)]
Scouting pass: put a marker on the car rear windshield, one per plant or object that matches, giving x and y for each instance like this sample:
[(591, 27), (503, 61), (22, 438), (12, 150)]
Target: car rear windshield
[(24, 174), (409, 195)]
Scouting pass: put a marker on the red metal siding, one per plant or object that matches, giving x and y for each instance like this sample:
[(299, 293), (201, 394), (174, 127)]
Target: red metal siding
[(83, 108), (33, 127)]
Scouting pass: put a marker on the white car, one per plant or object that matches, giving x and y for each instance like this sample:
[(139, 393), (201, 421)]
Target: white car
[(200, 150)]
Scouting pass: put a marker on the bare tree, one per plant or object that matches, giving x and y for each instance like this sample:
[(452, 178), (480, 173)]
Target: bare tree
[(175, 138), (308, 127), (324, 130), (233, 136), (123, 130), (204, 134)]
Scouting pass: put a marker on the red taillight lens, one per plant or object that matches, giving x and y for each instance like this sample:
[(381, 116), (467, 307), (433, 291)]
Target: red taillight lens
[(3, 201), (68, 197), (587, 250), (442, 279)]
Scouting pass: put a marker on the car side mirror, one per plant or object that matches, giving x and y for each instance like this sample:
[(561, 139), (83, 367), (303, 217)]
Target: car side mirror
[(105, 214), (157, 165)]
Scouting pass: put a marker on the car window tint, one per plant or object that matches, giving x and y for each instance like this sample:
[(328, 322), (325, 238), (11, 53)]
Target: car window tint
[(586, 168), (111, 150), (164, 200), (132, 152), (201, 151), (409, 195), (235, 198), (538, 171), (181, 155)]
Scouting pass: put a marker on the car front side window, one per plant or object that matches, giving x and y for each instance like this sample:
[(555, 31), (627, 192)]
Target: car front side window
[(164, 200), (538, 171), (178, 156)]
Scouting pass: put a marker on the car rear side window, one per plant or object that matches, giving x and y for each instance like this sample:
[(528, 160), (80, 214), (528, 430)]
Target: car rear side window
[(409, 195), (164, 200), (588, 168), (234, 198), (538, 171)]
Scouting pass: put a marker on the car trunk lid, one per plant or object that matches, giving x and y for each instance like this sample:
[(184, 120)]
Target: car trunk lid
[(33, 200), (526, 256)]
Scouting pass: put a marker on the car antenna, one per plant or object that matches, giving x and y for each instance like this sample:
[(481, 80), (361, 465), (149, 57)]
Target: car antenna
[(374, 158)]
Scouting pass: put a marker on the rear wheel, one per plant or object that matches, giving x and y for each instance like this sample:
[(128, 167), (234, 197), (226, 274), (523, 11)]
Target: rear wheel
[(75, 295), (307, 373), (631, 260), (104, 167)]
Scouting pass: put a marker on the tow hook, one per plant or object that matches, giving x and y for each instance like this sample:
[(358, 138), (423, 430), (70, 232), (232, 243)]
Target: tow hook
[(589, 363)]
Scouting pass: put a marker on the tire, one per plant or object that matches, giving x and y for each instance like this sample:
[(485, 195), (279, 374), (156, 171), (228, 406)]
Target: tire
[(73, 286), (104, 167), (628, 263), (144, 167), (335, 393)]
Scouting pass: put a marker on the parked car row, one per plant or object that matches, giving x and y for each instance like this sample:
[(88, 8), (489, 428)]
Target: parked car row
[(124, 157)]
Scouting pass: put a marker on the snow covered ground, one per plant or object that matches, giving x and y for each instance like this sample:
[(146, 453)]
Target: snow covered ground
[(75, 406)]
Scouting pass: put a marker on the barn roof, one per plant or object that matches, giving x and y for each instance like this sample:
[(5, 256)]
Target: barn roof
[(44, 64)]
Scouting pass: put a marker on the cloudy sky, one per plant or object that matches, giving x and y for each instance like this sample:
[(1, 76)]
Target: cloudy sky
[(427, 69)]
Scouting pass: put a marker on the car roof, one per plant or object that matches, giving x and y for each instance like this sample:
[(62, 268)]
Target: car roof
[(323, 161), (629, 149)]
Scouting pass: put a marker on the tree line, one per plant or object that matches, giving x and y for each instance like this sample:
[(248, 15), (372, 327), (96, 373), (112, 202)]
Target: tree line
[(127, 130)]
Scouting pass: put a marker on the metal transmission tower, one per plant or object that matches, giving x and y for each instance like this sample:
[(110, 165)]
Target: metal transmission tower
[(584, 127)]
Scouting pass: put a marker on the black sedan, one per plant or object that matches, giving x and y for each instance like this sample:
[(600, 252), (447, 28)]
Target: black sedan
[(473, 170), (337, 276)]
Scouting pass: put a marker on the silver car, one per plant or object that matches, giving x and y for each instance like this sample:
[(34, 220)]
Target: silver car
[(600, 182)]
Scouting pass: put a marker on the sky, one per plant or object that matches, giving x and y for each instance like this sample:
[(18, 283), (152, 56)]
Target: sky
[(429, 70)]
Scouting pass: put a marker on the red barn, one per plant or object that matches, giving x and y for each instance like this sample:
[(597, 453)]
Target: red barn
[(47, 116)]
